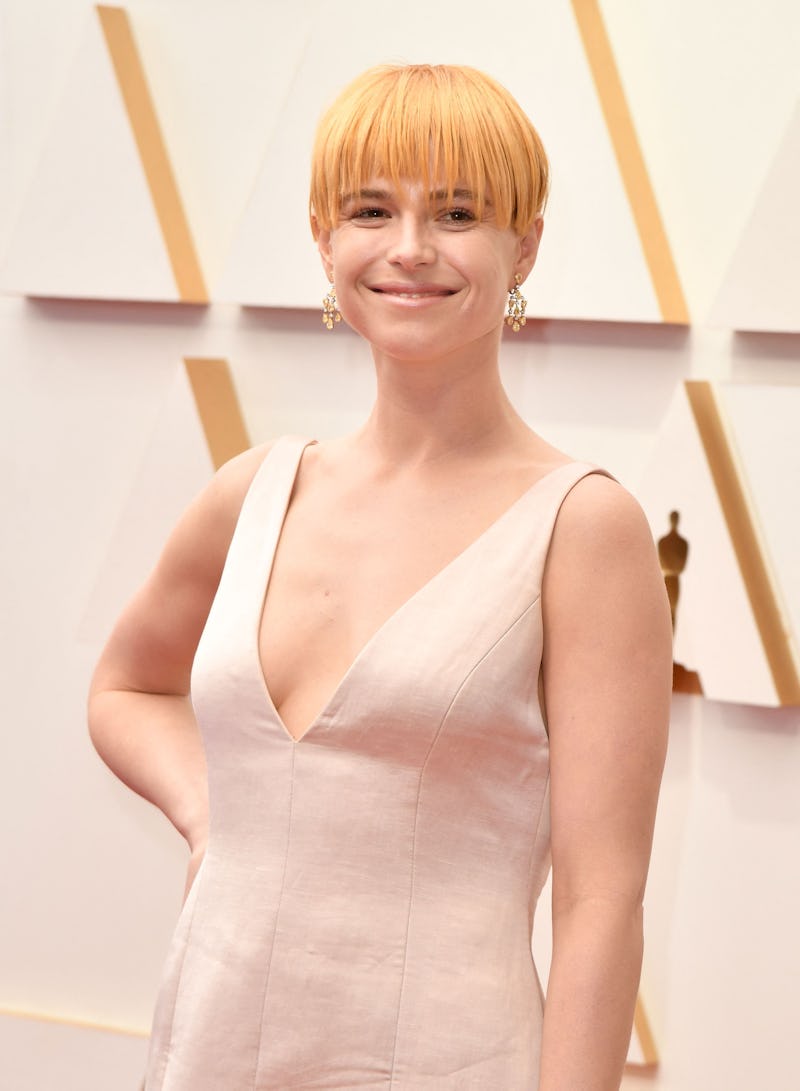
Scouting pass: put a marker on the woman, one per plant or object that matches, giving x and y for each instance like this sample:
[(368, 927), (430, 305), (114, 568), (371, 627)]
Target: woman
[(438, 649)]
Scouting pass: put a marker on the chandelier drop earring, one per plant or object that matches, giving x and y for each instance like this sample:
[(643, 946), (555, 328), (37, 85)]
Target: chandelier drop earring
[(330, 308), (517, 303)]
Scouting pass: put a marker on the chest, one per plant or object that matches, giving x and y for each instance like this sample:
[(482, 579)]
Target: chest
[(345, 563)]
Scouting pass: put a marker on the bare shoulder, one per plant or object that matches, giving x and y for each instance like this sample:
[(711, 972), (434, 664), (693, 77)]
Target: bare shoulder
[(604, 594), (230, 483), (600, 499), (209, 521), (600, 522), (603, 585)]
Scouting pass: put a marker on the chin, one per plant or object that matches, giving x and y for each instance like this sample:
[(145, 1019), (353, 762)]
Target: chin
[(410, 349), (404, 340)]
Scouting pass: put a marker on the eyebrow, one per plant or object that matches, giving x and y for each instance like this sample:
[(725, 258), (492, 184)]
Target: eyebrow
[(458, 194), (436, 195), (366, 194)]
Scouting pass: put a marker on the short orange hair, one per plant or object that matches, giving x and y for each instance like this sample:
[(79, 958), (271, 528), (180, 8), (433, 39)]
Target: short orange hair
[(440, 124)]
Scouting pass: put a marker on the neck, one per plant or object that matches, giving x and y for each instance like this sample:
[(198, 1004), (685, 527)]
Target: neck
[(427, 410)]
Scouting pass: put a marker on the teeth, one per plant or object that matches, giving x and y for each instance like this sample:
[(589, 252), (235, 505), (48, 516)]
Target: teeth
[(399, 293)]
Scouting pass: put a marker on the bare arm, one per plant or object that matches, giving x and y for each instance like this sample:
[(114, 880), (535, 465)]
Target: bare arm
[(607, 677), (140, 715)]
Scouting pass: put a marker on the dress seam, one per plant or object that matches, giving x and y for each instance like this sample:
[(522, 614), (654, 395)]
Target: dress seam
[(178, 982), (277, 921), (538, 830), (433, 743)]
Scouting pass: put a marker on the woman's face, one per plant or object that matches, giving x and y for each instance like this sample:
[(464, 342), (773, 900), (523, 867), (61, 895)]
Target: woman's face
[(421, 277)]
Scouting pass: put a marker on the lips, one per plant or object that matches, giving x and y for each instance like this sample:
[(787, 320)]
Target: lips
[(413, 291)]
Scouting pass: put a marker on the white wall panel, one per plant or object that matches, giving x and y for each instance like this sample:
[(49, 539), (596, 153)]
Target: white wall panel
[(175, 465), (765, 421), (761, 289), (712, 88), (220, 89), (87, 226)]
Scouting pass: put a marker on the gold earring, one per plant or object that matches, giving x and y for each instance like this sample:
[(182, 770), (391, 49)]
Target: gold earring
[(517, 303), (330, 308)]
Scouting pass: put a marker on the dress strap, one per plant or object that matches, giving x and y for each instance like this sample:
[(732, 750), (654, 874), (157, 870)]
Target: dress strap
[(255, 538)]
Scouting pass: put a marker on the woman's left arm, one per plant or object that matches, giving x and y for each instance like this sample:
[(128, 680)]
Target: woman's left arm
[(607, 673)]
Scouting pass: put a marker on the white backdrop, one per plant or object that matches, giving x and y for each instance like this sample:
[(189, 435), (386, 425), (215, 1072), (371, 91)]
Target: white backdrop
[(101, 448)]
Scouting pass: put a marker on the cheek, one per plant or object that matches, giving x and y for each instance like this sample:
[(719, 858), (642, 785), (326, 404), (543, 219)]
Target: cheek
[(491, 286), (347, 269), (492, 270)]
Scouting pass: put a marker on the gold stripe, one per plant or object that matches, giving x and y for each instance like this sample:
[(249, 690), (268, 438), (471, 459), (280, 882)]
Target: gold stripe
[(630, 160), (741, 528), (641, 1025), (153, 154), (218, 407), (69, 1021)]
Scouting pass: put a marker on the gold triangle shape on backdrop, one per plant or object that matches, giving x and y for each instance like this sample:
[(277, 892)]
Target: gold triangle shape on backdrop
[(218, 407), (646, 215), (741, 526), (152, 150), (642, 1037)]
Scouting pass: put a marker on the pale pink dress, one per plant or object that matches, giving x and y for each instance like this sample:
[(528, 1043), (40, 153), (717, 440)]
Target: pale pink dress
[(363, 915)]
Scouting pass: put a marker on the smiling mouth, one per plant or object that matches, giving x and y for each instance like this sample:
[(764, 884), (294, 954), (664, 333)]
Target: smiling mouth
[(413, 293)]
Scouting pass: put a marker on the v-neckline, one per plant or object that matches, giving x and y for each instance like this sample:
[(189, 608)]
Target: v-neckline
[(335, 696)]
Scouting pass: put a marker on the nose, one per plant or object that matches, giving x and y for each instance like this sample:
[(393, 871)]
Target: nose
[(411, 244)]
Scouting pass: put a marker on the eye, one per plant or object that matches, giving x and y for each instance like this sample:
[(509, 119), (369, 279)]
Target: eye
[(458, 216), (369, 212)]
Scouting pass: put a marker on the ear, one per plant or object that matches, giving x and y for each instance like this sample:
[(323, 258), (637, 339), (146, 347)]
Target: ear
[(529, 248), (323, 238)]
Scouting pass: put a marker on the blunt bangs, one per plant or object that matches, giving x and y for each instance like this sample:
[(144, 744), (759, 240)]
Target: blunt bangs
[(446, 126)]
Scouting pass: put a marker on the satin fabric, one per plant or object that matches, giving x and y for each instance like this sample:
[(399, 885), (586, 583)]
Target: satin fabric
[(363, 915)]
